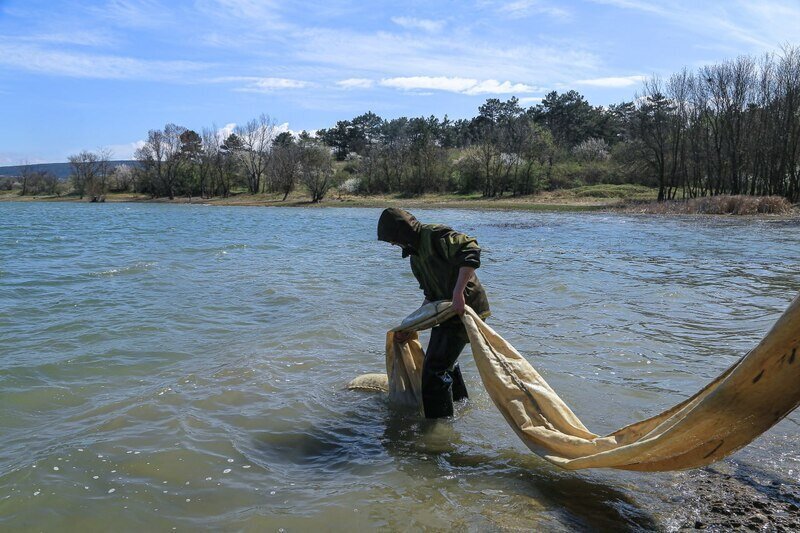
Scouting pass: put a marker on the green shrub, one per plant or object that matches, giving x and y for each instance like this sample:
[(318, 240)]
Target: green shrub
[(626, 191)]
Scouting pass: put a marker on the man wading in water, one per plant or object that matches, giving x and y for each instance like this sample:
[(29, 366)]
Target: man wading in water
[(444, 263)]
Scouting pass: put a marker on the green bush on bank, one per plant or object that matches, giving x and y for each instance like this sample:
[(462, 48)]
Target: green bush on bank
[(624, 191)]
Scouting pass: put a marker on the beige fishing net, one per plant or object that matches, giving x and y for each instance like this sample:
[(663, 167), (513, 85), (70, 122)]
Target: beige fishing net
[(738, 406)]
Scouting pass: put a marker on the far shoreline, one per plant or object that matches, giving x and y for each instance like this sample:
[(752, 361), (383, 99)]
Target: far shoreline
[(446, 201), (566, 201)]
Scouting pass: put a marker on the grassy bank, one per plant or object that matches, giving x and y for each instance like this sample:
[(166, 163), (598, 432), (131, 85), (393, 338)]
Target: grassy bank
[(630, 199), (590, 198)]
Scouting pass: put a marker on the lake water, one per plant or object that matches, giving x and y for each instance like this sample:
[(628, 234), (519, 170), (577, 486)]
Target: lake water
[(166, 366)]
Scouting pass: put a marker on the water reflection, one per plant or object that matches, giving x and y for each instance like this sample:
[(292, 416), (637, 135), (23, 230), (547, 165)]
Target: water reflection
[(511, 490), (334, 446), (434, 449)]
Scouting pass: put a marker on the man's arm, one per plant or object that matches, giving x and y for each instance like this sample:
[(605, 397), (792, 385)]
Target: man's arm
[(462, 251), (465, 274)]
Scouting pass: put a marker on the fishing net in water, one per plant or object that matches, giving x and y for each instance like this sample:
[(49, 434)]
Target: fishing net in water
[(742, 403)]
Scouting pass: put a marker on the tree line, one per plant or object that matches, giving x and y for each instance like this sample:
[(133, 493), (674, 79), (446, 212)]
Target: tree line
[(728, 128), (255, 157)]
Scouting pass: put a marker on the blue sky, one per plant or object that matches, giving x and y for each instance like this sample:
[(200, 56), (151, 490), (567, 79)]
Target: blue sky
[(84, 75)]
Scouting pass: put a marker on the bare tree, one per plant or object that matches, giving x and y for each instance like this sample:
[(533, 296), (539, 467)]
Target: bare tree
[(285, 163), (35, 181), (151, 157), (209, 169), (393, 155), (653, 128), (160, 161), (25, 174), (678, 89), (316, 170), (99, 187), (256, 137), (788, 111), (536, 154), (84, 172)]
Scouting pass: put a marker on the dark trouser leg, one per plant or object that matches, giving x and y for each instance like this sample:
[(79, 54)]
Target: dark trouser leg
[(459, 387), (441, 377)]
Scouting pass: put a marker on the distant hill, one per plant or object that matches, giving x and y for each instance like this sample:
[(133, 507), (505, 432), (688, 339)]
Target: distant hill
[(61, 170)]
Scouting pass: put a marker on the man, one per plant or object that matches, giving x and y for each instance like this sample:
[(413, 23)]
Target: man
[(444, 263)]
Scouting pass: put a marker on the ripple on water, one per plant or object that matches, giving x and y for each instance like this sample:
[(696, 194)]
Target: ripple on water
[(184, 368), (136, 268)]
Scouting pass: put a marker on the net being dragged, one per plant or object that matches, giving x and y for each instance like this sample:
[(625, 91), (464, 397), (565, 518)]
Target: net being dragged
[(742, 403)]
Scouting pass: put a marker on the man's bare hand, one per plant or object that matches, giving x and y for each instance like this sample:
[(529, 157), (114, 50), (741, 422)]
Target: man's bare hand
[(403, 336), (458, 302), (465, 274)]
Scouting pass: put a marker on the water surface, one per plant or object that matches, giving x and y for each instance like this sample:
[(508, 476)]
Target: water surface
[(168, 366)]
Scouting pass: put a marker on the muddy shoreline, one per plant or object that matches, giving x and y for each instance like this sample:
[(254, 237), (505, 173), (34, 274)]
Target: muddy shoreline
[(729, 496)]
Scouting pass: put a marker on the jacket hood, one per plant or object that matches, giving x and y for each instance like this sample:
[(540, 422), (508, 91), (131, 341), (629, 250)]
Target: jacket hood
[(400, 226)]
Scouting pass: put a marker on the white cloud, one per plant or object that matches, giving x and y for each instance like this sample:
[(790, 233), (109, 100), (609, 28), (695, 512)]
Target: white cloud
[(80, 38), (247, 15), (134, 14), (125, 150), (439, 83), (280, 83), (356, 83), (761, 25), (613, 81), (80, 65), (531, 100), (431, 26), (448, 55), (506, 87), (526, 8), (258, 84), (281, 128), (637, 5), (284, 128), (263, 85), (457, 85), (225, 131), (18, 158)]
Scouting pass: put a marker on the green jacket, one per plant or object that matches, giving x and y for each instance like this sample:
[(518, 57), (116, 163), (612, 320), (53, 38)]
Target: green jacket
[(437, 253), (437, 257)]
